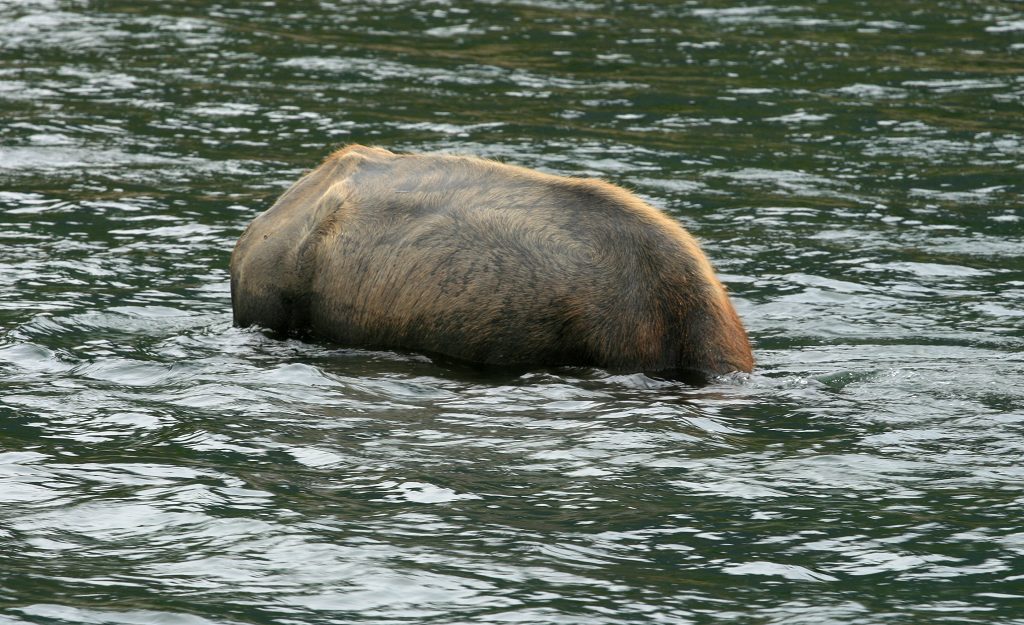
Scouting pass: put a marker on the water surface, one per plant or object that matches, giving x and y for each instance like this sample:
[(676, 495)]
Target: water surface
[(852, 168)]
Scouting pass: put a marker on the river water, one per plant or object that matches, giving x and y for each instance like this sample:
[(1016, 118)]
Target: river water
[(853, 169)]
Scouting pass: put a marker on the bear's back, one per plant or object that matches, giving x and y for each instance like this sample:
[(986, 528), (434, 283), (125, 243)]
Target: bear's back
[(485, 262)]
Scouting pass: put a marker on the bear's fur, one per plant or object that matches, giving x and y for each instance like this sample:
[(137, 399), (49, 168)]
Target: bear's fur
[(486, 263)]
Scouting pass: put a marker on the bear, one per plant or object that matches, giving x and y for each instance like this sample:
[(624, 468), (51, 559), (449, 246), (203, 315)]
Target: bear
[(485, 263)]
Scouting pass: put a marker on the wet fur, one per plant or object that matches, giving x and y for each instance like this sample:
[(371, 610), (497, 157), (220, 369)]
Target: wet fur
[(484, 262)]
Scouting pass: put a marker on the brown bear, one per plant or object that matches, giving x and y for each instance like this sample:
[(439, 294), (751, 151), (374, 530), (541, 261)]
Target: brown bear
[(486, 263)]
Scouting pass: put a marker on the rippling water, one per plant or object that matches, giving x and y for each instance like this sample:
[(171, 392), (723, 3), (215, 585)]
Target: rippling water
[(853, 168)]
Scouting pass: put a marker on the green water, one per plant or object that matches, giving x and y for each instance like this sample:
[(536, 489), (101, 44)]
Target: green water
[(853, 169)]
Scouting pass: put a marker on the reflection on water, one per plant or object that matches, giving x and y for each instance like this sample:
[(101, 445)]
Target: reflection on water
[(853, 170)]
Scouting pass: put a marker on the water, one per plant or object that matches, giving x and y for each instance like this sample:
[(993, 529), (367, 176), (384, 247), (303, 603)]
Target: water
[(853, 168)]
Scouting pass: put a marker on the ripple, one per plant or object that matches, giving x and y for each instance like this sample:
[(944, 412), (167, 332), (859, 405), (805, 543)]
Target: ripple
[(949, 86), (786, 571), (798, 182), (1005, 26), (59, 28), (799, 117), (128, 372), (862, 90), (33, 358), (422, 492), (58, 159), (89, 616), (931, 270)]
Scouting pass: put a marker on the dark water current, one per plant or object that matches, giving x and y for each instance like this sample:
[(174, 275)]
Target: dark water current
[(854, 170)]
